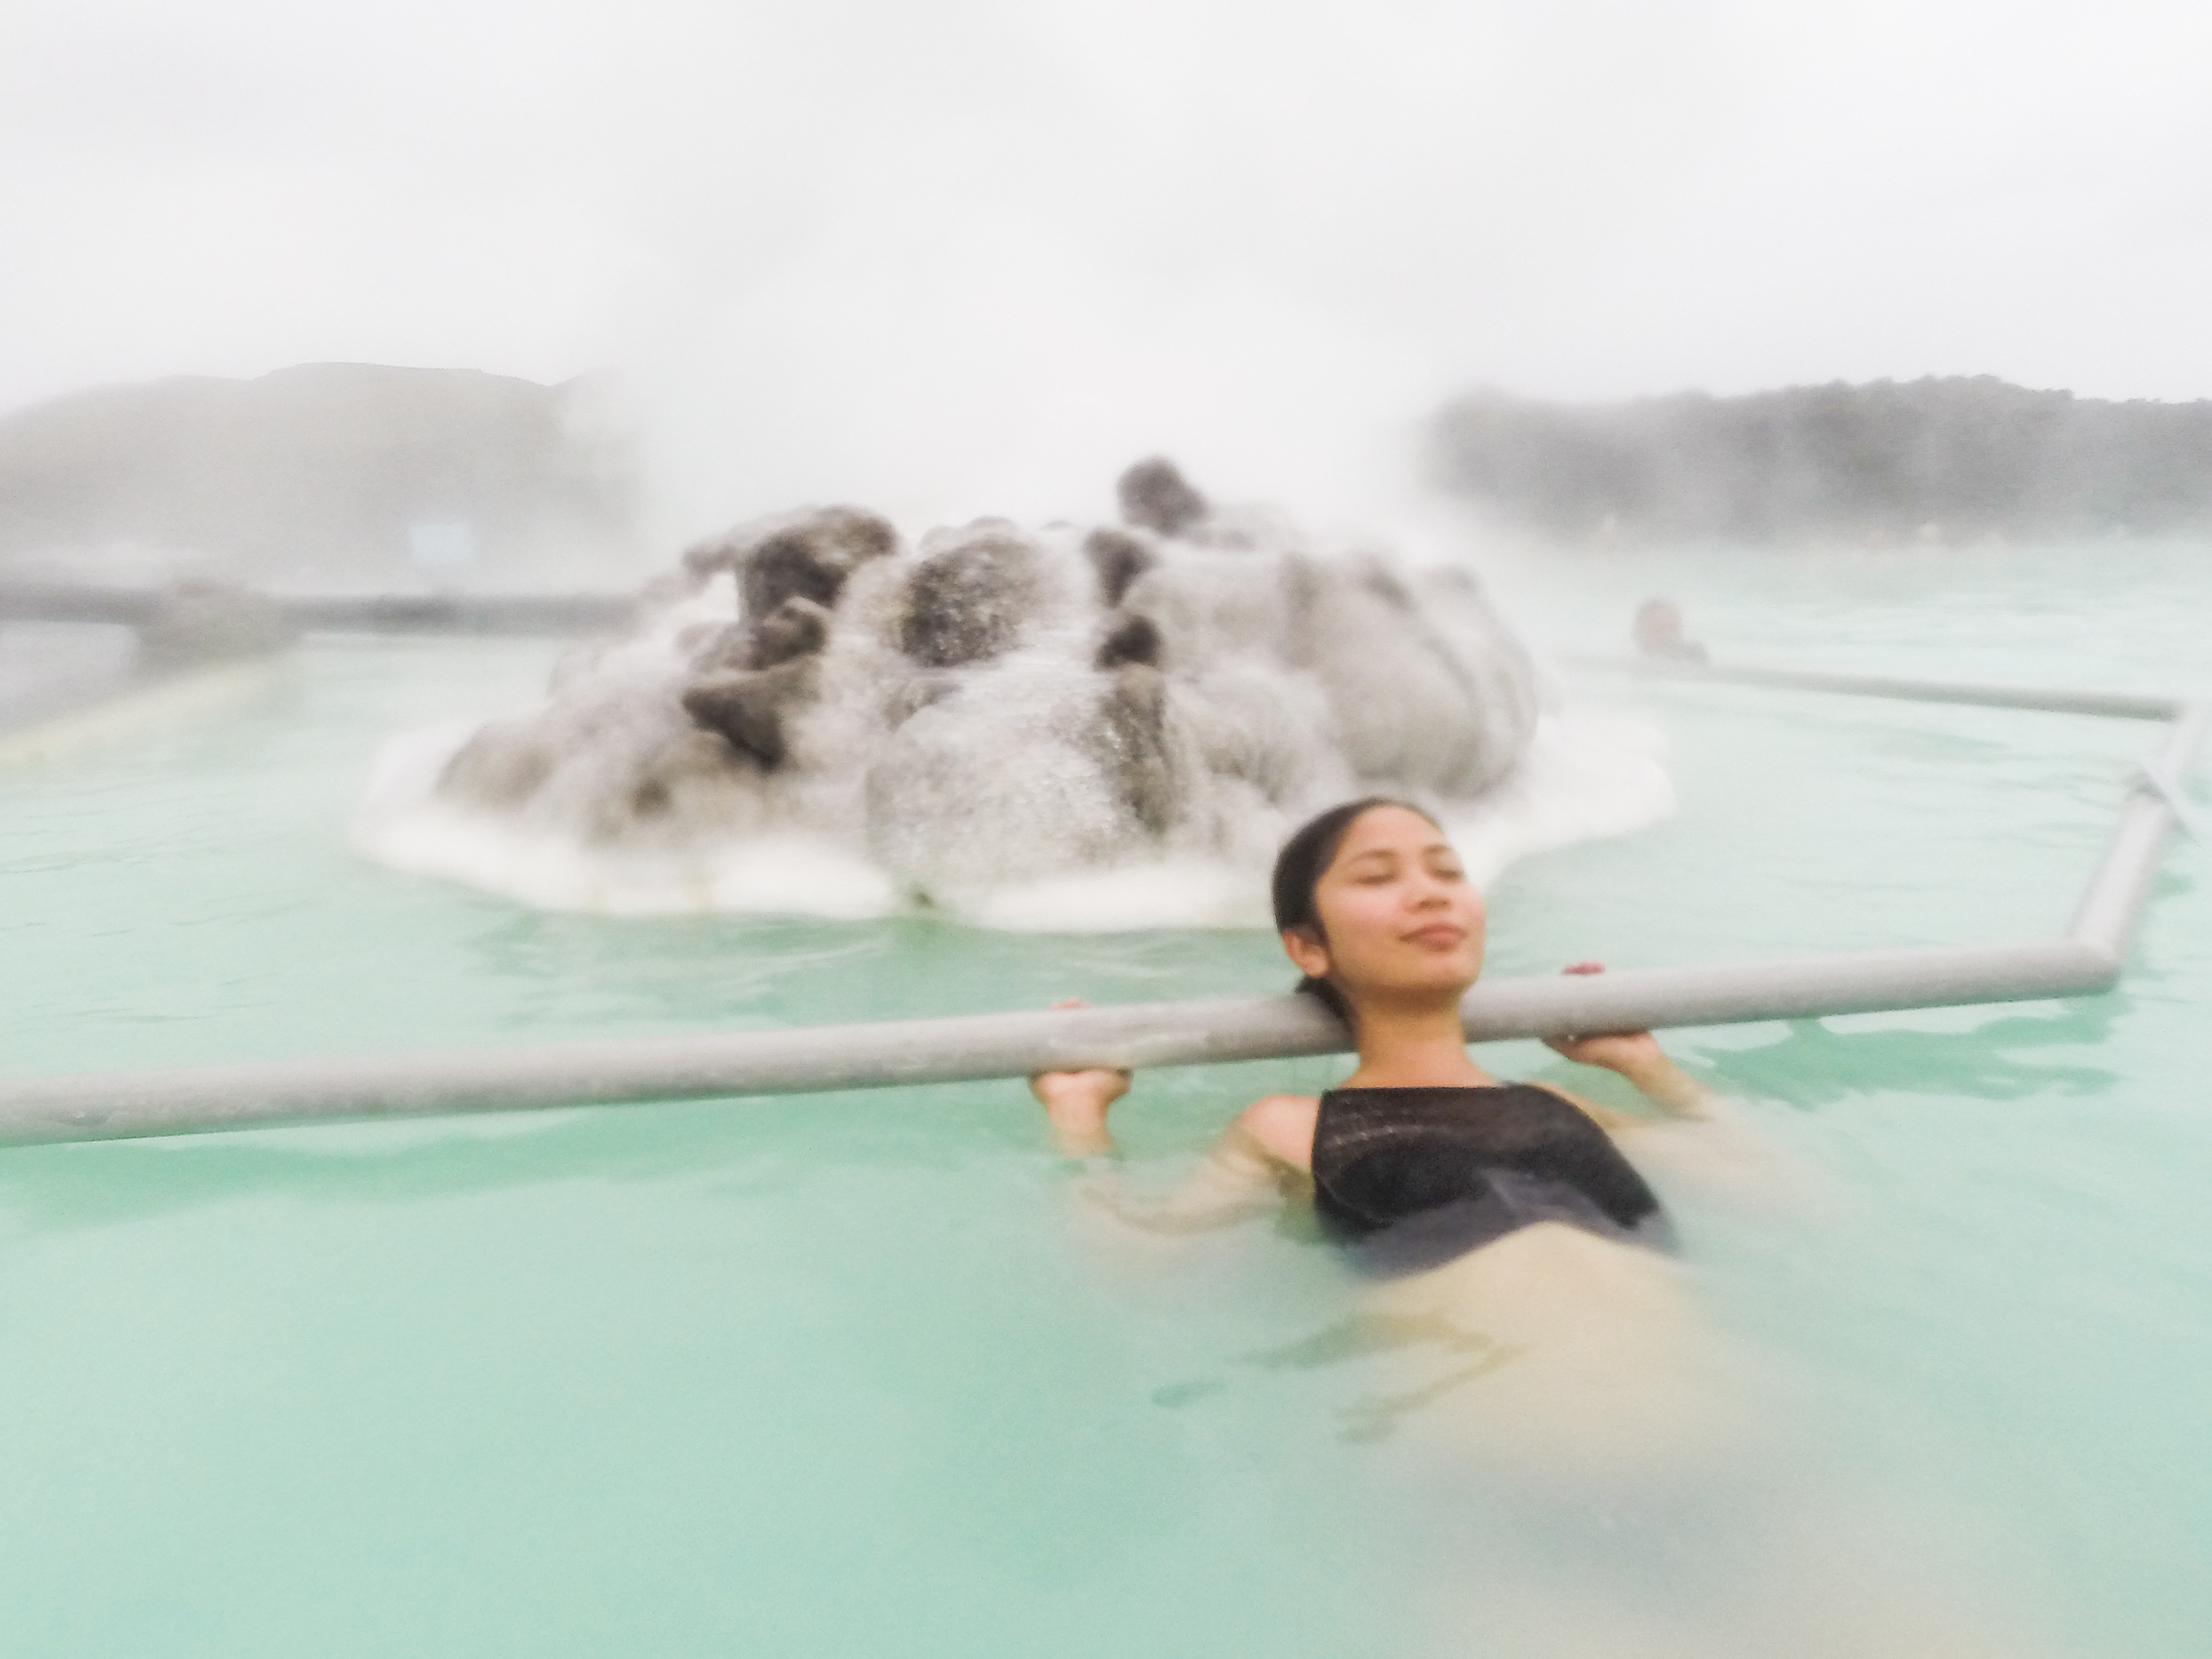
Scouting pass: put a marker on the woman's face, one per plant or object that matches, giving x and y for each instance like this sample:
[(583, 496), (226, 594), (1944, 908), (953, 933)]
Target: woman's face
[(1399, 913)]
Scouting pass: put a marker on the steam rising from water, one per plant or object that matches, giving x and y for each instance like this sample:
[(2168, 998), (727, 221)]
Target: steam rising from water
[(1056, 727)]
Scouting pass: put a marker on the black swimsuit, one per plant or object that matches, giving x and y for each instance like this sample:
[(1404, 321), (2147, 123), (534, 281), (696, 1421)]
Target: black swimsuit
[(1409, 1178)]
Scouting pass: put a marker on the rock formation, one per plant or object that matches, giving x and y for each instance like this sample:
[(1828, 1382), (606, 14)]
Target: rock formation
[(1000, 705)]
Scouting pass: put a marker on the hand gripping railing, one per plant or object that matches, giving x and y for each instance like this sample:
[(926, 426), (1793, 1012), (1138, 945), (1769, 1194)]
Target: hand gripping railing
[(889, 1054)]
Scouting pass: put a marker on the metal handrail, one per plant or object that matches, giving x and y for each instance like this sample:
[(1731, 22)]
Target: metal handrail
[(889, 1054)]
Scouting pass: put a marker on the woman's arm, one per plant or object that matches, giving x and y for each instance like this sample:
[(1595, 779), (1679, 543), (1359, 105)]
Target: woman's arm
[(1240, 1177), (1245, 1172), (1076, 1103), (1700, 1137), (1637, 1056)]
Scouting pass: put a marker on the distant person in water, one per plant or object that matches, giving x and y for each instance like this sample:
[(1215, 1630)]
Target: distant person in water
[(1505, 1210), (1659, 633)]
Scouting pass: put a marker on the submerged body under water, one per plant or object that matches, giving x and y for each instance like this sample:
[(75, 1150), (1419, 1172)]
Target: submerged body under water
[(862, 1374)]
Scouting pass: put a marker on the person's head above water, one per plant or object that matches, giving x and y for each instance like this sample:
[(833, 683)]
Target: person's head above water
[(1659, 631), (1658, 626), (1374, 906)]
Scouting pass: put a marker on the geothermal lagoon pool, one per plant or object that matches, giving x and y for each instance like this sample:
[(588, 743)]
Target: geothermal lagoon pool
[(859, 1375)]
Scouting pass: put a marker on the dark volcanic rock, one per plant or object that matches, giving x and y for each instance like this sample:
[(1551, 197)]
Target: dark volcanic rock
[(1155, 496), (968, 602), (1129, 743), (796, 628), (811, 559), (1381, 581), (1134, 639), (1119, 558), (749, 708)]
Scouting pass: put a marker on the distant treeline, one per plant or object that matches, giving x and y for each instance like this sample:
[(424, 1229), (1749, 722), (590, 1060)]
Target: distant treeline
[(1960, 460), (325, 473)]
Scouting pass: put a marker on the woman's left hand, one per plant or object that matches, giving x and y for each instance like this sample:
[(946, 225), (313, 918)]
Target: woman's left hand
[(1627, 1052)]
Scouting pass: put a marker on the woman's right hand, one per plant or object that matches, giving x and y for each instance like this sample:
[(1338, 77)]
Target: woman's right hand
[(1077, 1101)]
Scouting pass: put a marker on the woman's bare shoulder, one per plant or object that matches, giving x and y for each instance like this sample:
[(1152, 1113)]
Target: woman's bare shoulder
[(1282, 1125)]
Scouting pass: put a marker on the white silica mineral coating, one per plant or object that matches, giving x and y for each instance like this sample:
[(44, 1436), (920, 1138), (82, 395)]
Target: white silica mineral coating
[(1065, 727)]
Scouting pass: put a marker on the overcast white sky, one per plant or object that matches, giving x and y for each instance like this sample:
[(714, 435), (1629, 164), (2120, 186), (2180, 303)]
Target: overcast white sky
[(976, 252)]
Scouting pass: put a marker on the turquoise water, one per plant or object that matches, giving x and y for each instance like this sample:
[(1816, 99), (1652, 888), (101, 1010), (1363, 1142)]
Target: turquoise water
[(857, 1375)]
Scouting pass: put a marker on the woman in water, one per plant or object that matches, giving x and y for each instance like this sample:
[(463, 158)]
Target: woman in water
[(1511, 1238), (1503, 1220)]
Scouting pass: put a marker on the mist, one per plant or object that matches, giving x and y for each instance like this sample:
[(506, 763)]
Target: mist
[(683, 609), (975, 259)]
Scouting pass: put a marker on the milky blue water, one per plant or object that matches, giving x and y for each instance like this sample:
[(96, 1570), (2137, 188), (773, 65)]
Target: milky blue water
[(857, 1375)]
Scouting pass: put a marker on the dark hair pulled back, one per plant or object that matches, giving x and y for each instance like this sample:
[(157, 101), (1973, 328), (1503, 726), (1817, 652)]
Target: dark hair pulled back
[(1299, 867)]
